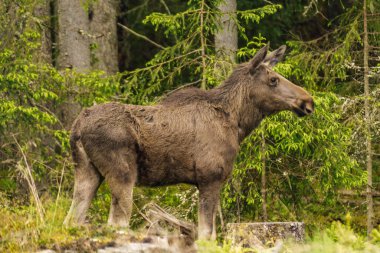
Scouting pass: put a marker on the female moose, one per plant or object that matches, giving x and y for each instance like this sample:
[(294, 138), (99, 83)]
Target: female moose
[(192, 136)]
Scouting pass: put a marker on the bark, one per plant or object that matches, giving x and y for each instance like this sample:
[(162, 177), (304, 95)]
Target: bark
[(73, 36), (103, 30), (74, 49), (367, 123), (226, 39)]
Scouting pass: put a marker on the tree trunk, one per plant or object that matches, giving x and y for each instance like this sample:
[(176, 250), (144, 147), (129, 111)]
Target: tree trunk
[(367, 123), (103, 30), (73, 36), (264, 179), (73, 47), (226, 39)]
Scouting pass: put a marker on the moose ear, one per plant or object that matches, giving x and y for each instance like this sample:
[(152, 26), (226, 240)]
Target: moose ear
[(274, 57), (258, 58)]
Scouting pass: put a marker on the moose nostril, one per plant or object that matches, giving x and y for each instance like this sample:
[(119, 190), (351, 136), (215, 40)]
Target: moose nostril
[(309, 108)]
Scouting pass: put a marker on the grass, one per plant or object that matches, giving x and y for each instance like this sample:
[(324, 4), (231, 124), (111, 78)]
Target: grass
[(21, 230), (339, 238)]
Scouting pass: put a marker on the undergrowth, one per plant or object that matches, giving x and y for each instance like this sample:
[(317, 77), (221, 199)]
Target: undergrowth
[(22, 230), (339, 238)]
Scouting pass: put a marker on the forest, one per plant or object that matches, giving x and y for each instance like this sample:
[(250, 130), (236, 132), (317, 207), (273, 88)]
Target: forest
[(58, 57)]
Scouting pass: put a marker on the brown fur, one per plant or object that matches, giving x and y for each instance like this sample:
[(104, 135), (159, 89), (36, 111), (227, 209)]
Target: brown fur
[(192, 136)]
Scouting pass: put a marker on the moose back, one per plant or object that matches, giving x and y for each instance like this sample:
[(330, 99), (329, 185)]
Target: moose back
[(192, 136)]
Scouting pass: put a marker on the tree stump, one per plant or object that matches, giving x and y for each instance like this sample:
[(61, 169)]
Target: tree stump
[(264, 234)]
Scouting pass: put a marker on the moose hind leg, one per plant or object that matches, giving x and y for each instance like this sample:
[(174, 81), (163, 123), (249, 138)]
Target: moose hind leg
[(121, 205), (121, 184), (87, 181)]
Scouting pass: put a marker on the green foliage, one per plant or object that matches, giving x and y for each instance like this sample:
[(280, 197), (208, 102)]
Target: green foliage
[(32, 94), (375, 235), (306, 159), (322, 63), (255, 16), (22, 231), (338, 238), (191, 58)]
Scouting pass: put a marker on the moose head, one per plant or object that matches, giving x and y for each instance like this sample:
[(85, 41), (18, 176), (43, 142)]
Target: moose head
[(273, 92)]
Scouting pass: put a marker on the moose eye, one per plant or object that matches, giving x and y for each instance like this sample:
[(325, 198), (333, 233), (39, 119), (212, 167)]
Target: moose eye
[(273, 81)]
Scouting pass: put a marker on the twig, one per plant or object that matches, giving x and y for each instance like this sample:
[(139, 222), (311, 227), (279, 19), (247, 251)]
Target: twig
[(183, 86), (165, 6), (160, 214), (47, 110), (165, 62), (140, 36), (60, 185), (143, 215)]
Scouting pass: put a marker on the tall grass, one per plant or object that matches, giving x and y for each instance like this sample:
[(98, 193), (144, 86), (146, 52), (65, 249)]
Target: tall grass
[(26, 171), (22, 231)]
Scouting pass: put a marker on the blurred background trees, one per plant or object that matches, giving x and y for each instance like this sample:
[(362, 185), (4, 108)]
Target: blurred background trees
[(57, 56)]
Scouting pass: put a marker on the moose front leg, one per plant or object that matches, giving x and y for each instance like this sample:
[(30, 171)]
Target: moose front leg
[(209, 196)]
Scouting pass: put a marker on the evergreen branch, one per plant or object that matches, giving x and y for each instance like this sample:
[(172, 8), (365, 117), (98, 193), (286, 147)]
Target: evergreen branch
[(165, 62), (141, 36)]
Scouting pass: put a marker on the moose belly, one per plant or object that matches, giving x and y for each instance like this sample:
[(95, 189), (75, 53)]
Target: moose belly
[(165, 169)]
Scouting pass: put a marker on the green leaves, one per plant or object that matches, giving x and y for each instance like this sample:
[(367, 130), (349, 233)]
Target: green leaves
[(307, 162), (188, 60), (258, 14)]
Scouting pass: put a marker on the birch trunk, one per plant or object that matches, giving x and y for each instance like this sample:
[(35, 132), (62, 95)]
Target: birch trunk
[(367, 123), (73, 49), (73, 33), (264, 179), (226, 39)]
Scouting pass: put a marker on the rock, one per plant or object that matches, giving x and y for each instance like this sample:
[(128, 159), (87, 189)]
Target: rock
[(134, 247), (152, 244), (260, 235)]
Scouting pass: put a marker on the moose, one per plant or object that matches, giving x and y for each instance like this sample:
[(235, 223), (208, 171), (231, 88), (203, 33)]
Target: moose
[(191, 136)]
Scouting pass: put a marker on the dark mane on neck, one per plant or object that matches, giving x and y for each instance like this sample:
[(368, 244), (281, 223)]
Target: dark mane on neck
[(222, 93), (231, 84), (185, 96)]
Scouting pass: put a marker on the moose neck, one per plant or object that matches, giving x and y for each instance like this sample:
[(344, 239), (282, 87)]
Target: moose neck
[(249, 116), (242, 106)]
